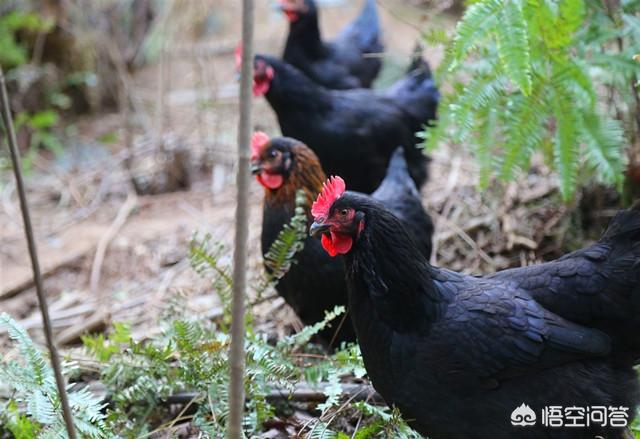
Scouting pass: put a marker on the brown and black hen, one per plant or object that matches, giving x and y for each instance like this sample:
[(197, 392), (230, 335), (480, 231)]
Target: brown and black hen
[(315, 284), (342, 63), (353, 132), (457, 354)]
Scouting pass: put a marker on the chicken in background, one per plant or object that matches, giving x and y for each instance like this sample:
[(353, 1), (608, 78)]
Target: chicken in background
[(352, 60), (411, 91), (458, 354), (315, 284), (353, 132)]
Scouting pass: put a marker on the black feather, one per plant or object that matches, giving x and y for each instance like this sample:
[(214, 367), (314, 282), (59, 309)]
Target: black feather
[(342, 63)]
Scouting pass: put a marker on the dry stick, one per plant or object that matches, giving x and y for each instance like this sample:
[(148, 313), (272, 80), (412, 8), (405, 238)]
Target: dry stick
[(237, 354), (33, 253), (101, 249)]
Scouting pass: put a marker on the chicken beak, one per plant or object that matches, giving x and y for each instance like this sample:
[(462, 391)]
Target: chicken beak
[(256, 168), (318, 228)]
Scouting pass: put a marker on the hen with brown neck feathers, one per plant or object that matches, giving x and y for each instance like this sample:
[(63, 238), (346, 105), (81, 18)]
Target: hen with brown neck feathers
[(316, 284), (457, 354)]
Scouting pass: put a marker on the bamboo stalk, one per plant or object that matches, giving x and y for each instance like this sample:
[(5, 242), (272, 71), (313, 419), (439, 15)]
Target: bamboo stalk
[(237, 353), (33, 253)]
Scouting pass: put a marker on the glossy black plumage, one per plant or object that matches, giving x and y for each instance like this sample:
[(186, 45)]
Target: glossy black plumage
[(457, 354), (399, 194), (342, 63), (316, 283), (353, 132)]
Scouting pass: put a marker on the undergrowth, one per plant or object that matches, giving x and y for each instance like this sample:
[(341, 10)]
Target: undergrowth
[(555, 77), (137, 378)]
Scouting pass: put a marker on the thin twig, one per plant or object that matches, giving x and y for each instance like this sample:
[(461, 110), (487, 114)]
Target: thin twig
[(33, 253), (239, 287), (101, 249)]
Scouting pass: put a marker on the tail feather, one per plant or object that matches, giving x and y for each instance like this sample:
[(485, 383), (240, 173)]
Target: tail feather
[(398, 168), (418, 65), (366, 28), (398, 180), (417, 92)]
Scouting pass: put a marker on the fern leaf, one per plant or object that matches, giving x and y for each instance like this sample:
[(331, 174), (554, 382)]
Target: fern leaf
[(526, 116), (565, 145), (513, 45), (290, 240), (487, 132), (604, 142), (474, 26), (481, 92)]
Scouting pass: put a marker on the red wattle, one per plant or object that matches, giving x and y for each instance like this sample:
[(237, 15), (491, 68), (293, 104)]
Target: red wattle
[(260, 87), (291, 16), (270, 181), (336, 244)]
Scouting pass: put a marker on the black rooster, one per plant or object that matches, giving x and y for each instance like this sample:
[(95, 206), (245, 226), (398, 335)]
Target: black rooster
[(457, 354), (315, 284), (353, 132), (342, 63)]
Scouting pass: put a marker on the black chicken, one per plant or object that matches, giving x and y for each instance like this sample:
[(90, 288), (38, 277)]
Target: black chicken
[(353, 132), (457, 354), (316, 284), (342, 63)]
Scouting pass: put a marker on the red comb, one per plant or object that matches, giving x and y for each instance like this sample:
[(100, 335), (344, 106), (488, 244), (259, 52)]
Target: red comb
[(258, 142), (239, 56), (332, 189)]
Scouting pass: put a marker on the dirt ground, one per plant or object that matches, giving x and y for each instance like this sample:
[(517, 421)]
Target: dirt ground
[(189, 97)]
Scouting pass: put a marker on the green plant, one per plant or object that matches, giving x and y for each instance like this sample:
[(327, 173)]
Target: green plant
[(42, 126), (522, 80), (281, 255), (12, 51), (34, 406)]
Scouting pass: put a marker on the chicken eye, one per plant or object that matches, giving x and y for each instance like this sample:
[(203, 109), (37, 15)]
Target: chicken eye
[(273, 153), (344, 212)]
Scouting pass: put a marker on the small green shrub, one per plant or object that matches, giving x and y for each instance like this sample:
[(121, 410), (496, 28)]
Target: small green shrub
[(35, 405), (12, 51)]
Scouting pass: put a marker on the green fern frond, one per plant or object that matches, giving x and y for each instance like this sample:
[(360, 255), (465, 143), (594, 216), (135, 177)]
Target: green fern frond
[(38, 369), (35, 387), (301, 338), (573, 76), (513, 45), (290, 240), (472, 29), (486, 126), (604, 147), (205, 257), (525, 117), (565, 144), (481, 92)]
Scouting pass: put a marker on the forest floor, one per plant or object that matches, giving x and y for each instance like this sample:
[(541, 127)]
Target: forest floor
[(82, 206)]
